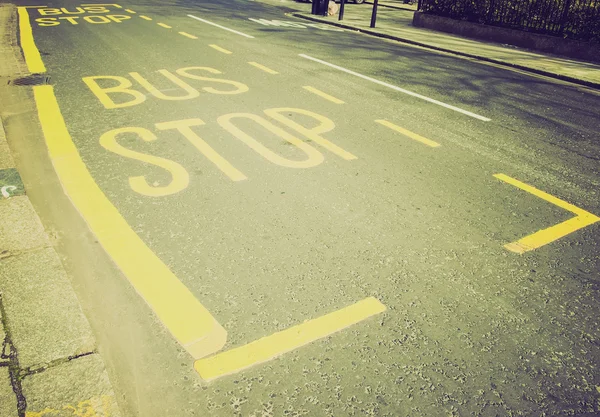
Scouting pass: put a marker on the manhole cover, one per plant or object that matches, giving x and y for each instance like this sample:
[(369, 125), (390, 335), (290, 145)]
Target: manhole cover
[(35, 79)]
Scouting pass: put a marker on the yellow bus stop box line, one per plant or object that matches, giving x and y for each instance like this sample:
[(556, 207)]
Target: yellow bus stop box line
[(277, 344), (188, 321), (545, 236), (33, 59)]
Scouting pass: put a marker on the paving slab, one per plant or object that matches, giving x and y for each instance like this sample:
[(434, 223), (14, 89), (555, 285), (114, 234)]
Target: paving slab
[(6, 160), (20, 228), (5, 157), (12, 62), (79, 387), (8, 401), (44, 315)]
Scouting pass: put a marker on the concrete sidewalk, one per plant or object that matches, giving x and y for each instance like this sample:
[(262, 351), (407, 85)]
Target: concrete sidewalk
[(395, 23), (49, 364), (397, 4), (49, 361)]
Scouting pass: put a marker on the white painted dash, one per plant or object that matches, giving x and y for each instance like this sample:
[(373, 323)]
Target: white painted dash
[(402, 90), (220, 27)]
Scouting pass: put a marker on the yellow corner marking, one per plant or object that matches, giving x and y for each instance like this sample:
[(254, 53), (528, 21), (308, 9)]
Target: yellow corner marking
[(277, 344), (545, 236), (187, 35), (164, 25), (145, 17), (408, 133), (181, 313), (322, 94), (218, 48), (262, 67), (130, 11), (33, 59)]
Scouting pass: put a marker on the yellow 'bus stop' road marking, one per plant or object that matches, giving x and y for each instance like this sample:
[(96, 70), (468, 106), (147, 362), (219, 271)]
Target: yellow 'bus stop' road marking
[(277, 344), (545, 236), (188, 321)]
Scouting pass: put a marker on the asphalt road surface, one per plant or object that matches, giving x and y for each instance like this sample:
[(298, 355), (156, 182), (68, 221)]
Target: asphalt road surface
[(286, 219)]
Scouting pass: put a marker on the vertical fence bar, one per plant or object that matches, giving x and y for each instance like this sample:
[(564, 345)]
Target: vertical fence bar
[(341, 16), (374, 14), (490, 14), (564, 17), (545, 15)]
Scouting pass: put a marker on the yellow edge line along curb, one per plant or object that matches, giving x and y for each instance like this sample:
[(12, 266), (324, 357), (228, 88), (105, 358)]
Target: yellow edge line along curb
[(32, 55), (545, 236), (187, 320), (277, 344)]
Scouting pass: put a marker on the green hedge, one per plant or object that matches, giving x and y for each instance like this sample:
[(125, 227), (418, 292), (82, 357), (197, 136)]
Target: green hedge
[(576, 19)]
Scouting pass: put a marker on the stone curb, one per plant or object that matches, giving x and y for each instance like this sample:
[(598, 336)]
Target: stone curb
[(371, 32), (391, 6)]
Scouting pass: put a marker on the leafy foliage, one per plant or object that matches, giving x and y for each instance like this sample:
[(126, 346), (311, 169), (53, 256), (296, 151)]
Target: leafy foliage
[(576, 19)]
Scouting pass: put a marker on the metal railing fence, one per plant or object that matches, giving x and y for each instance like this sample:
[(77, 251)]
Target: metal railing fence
[(575, 19)]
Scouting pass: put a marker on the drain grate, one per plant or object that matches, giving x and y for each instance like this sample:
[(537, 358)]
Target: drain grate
[(34, 79)]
